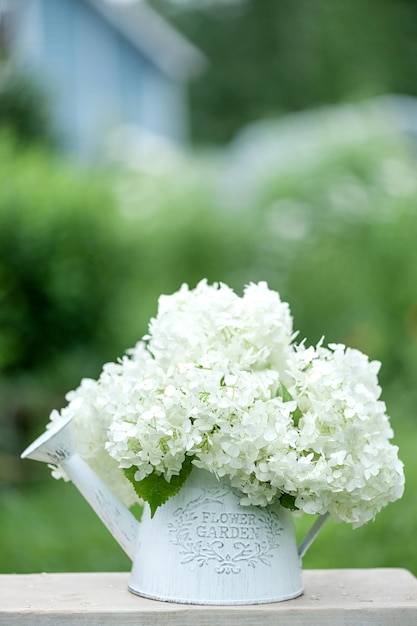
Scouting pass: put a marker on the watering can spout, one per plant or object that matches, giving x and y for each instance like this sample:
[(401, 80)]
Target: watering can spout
[(55, 446)]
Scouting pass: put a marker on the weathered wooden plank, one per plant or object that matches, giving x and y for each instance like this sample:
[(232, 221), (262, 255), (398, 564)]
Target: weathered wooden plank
[(364, 597)]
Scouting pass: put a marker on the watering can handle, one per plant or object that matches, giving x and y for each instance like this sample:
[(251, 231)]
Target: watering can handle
[(312, 534), (121, 523)]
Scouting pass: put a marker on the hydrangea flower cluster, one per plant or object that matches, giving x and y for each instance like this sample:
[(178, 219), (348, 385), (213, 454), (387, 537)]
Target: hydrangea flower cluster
[(220, 380)]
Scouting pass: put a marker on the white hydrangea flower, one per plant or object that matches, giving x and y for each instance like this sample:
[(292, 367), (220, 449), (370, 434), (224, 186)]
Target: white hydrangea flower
[(212, 323), (219, 378), (345, 428), (90, 421)]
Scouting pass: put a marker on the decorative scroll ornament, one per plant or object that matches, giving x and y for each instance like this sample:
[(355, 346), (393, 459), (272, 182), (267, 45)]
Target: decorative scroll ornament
[(206, 532)]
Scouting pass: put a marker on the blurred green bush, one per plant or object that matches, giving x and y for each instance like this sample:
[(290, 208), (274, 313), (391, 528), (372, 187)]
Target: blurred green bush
[(85, 255), (61, 255), (24, 106)]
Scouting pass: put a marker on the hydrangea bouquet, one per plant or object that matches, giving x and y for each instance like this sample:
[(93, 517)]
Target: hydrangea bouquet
[(219, 383)]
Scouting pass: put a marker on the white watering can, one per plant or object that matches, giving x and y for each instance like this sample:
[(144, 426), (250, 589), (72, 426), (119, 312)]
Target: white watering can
[(202, 546)]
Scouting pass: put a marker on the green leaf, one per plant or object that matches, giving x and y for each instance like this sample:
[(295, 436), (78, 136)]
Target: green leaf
[(296, 416), (288, 502), (287, 397), (154, 489), (285, 394)]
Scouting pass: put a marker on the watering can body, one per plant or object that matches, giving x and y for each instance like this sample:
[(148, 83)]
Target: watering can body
[(201, 546)]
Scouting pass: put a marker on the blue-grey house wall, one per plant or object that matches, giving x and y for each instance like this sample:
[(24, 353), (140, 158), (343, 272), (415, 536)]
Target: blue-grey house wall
[(96, 78)]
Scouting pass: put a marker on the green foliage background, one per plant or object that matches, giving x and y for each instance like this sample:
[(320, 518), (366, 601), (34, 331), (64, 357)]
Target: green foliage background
[(270, 57), (327, 215)]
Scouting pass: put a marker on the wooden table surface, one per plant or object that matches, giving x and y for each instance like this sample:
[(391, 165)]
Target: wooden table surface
[(356, 597)]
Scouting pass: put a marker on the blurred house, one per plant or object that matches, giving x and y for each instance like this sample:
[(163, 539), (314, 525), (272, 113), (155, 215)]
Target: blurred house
[(104, 63)]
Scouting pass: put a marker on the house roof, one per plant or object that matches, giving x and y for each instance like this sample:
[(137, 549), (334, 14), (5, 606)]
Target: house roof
[(172, 53)]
